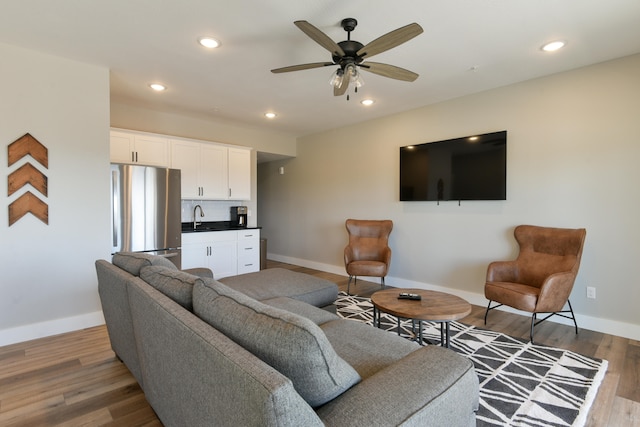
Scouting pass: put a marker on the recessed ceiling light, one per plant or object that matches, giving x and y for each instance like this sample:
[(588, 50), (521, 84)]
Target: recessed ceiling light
[(209, 42), (367, 102), (553, 46), (157, 87), (270, 115)]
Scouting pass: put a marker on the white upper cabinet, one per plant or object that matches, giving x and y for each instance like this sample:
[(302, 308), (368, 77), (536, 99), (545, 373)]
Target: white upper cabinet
[(211, 171), (139, 149), (239, 174), (203, 167), (214, 171)]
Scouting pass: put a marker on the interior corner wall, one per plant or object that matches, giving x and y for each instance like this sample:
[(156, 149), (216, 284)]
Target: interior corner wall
[(48, 282), (572, 161)]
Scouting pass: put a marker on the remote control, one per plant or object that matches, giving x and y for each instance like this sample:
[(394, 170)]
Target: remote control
[(406, 295)]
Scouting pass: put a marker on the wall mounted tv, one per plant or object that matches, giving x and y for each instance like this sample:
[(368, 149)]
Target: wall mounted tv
[(469, 168)]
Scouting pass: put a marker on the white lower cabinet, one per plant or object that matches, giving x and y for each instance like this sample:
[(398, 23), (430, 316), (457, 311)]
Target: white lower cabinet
[(226, 253), (248, 251)]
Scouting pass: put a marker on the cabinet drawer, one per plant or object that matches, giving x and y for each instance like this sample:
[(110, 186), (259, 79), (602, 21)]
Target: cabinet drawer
[(248, 268), (249, 234), (248, 264), (248, 247), (248, 256)]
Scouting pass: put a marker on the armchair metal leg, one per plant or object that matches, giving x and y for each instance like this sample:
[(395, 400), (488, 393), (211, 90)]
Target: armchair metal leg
[(533, 323), (382, 285), (573, 316), (557, 313), (355, 282), (490, 308), (487, 312)]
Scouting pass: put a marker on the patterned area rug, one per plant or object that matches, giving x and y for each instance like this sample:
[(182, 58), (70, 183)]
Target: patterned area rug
[(520, 384)]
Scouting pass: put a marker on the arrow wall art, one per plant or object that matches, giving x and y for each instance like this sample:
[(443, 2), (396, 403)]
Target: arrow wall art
[(27, 145)]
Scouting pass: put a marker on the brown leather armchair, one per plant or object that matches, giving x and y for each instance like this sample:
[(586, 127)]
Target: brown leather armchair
[(540, 280), (368, 252)]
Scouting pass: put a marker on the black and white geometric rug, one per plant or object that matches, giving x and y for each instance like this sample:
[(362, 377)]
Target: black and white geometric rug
[(520, 384)]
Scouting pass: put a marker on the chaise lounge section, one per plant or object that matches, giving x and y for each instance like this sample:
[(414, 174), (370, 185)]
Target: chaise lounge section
[(258, 351)]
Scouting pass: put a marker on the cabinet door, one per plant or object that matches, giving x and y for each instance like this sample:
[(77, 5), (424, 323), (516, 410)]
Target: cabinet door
[(152, 150), (195, 255), (239, 174), (121, 147), (224, 259), (139, 149), (186, 157), (213, 172)]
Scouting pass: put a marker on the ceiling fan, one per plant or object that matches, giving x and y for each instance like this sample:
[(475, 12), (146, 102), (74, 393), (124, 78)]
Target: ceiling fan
[(349, 55)]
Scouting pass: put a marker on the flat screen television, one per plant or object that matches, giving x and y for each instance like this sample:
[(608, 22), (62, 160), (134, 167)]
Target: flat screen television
[(468, 168)]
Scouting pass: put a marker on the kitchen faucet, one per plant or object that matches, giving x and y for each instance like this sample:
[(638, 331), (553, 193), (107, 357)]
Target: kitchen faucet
[(195, 220)]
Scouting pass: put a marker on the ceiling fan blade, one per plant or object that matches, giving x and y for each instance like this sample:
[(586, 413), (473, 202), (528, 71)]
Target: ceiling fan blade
[(390, 71), (339, 91), (301, 67), (390, 40), (319, 37)]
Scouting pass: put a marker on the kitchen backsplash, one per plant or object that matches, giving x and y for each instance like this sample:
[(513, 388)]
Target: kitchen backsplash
[(214, 210)]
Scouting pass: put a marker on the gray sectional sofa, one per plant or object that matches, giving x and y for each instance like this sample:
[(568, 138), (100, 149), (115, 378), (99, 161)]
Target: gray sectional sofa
[(258, 351)]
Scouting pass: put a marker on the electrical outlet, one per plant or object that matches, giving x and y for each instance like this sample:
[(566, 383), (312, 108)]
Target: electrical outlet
[(591, 292)]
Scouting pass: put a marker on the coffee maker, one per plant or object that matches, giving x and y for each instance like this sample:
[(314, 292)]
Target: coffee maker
[(239, 216)]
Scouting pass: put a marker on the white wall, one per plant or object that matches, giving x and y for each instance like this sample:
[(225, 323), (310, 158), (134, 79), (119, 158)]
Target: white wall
[(48, 282), (573, 152)]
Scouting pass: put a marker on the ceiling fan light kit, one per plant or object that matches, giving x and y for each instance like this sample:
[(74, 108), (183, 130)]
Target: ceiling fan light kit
[(349, 55)]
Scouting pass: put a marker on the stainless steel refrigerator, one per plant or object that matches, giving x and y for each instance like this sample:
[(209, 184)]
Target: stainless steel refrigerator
[(146, 211)]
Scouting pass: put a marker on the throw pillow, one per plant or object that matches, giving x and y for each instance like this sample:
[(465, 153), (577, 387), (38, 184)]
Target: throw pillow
[(132, 262), (175, 284), (290, 343)]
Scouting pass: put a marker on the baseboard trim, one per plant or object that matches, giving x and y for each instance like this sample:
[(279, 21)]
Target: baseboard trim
[(607, 326), (51, 327)]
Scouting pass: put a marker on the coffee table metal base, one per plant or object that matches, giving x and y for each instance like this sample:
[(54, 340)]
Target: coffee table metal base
[(444, 329)]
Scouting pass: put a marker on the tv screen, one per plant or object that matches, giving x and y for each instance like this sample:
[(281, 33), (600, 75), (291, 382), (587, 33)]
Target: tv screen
[(468, 168)]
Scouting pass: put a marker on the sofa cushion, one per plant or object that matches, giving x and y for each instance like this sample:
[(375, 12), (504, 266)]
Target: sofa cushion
[(292, 344), (132, 262), (315, 314), (280, 282), (368, 350), (175, 284)]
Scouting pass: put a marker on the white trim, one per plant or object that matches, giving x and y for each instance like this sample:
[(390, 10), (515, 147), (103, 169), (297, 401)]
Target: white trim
[(51, 327), (606, 326)]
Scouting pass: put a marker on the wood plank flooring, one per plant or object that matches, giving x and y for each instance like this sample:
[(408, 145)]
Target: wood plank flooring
[(74, 379)]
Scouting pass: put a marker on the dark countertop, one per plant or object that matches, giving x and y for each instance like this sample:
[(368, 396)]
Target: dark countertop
[(187, 227)]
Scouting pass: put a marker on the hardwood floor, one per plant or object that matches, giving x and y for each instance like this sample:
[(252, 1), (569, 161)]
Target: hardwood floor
[(75, 379)]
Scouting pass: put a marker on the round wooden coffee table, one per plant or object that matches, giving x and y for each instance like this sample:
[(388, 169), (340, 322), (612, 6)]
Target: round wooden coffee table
[(434, 307)]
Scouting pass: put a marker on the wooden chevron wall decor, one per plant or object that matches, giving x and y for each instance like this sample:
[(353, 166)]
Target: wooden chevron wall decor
[(26, 174)]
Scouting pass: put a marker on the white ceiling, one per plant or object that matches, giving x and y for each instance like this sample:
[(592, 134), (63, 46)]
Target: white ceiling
[(467, 46)]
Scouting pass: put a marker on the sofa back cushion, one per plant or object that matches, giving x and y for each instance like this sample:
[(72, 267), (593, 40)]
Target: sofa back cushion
[(292, 344), (132, 262), (175, 284)]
